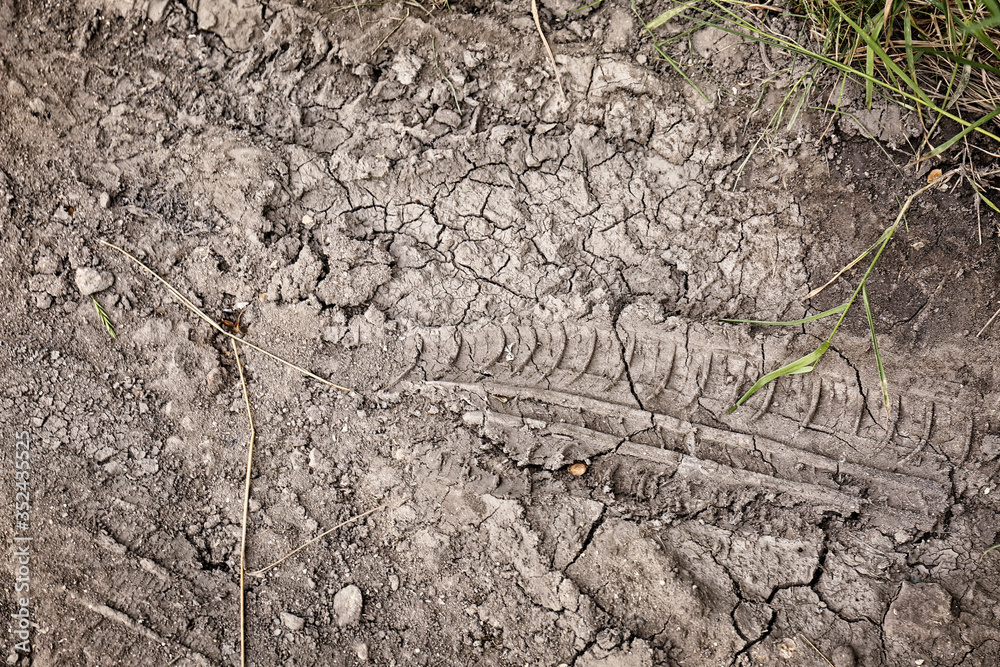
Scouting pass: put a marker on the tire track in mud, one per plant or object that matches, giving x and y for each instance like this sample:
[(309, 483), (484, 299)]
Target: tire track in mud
[(660, 394)]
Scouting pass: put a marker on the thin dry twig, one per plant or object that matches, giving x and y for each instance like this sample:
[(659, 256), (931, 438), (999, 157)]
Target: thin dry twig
[(194, 309), (458, 105), (392, 32), (545, 43), (260, 572), (840, 273), (246, 508), (813, 646), (988, 323)]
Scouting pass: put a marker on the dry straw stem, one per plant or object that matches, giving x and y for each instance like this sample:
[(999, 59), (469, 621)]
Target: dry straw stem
[(813, 647), (260, 572), (399, 24), (545, 43), (444, 77), (246, 508), (983, 555), (194, 309)]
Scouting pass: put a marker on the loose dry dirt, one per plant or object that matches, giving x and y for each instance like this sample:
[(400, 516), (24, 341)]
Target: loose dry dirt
[(511, 280)]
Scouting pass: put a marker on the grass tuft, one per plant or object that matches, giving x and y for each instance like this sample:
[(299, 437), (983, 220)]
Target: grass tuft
[(941, 59)]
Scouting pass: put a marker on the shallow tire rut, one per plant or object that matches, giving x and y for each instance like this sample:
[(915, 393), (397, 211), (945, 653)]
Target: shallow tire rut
[(562, 393)]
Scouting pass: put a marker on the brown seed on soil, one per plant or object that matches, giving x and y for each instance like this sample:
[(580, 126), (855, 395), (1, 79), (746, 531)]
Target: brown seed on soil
[(578, 469)]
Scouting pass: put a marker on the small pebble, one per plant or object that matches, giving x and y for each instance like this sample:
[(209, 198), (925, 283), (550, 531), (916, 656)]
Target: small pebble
[(361, 650), (89, 280), (214, 380), (291, 621), (578, 469), (347, 605)]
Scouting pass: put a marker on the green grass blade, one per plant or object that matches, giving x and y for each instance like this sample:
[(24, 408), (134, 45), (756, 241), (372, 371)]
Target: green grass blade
[(584, 8), (978, 30), (718, 16), (105, 319), (994, 20), (986, 41), (666, 16), (878, 355), (955, 58), (876, 28), (874, 46), (911, 62), (982, 197), (812, 318), (870, 71), (800, 365), (656, 45), (961, 135), (719, 21), (806, 81)]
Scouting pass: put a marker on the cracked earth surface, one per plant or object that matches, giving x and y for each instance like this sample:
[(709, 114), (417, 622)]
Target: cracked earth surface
[(511, 280)]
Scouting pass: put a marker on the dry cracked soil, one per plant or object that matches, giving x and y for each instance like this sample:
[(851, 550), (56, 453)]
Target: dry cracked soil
[(512, 278)]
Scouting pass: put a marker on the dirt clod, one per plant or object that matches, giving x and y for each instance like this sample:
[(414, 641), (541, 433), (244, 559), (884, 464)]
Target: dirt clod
[(347, 605), (291, 621), (90, 281)]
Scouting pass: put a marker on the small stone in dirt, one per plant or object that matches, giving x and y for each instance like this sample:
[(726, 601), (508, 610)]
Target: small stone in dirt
[(214, 380), (89, 280), (608, 638), (361, 650), (786, 649), (347, 605), (315, 457), (291, 621), (393, 582)]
